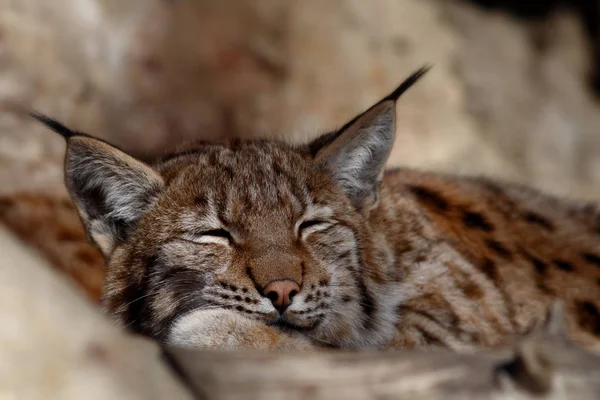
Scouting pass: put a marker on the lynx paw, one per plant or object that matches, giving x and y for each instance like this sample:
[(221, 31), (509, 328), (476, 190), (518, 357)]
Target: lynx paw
[(227, 330)]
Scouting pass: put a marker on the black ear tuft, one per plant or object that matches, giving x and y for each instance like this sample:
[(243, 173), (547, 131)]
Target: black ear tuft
[(320, 142), (54, 125), (356, 154), (407, 83), (395, 95)]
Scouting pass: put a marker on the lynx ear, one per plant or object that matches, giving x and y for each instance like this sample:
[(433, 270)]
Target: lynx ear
[(111, 189), (355, 155)]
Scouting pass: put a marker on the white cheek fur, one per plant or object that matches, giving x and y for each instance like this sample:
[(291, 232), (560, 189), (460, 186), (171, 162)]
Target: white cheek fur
[(200, 328)]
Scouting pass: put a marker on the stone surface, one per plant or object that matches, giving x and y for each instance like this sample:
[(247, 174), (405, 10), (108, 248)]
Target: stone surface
[(55, 345), (49, 223)]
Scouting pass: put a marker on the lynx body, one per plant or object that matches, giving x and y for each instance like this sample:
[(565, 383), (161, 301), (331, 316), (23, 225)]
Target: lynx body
[(261, 244)]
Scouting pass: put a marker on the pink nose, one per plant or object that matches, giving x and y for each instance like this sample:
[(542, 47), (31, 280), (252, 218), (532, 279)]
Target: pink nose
[(281, 293)]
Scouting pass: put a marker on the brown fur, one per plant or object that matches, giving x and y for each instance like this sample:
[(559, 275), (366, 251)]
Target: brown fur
[(395, 260)]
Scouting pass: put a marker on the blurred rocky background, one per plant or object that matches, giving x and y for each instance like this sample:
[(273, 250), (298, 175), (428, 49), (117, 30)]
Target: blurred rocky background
[(513, 93), (509, 95)]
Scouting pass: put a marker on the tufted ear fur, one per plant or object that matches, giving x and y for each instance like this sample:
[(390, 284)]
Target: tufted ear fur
[(355, 155), (111, 189)]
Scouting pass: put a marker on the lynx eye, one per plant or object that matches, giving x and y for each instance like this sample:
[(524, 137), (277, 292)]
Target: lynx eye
[(220, 236), (312, 225), (218, 233)]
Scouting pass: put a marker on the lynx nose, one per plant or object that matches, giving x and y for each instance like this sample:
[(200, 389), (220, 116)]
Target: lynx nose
[(281, 293)]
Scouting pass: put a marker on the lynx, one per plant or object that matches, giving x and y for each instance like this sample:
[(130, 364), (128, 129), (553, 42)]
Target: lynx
[(267, 245)]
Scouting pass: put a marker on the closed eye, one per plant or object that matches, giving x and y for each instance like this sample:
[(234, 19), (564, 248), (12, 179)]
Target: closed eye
[(312, 225), (220, 236), (309, 223), (218, 233)]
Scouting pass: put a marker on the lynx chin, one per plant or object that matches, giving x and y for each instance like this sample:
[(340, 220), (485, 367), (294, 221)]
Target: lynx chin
[(263, 244)]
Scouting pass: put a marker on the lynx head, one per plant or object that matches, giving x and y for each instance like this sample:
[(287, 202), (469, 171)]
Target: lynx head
[(276, 232)]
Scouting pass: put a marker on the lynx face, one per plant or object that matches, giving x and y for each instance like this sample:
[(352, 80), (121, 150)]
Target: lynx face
[(255, 228), (274, 232)]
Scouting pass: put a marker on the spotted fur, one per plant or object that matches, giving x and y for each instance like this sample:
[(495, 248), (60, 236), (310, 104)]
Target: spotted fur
[(400, 259)]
